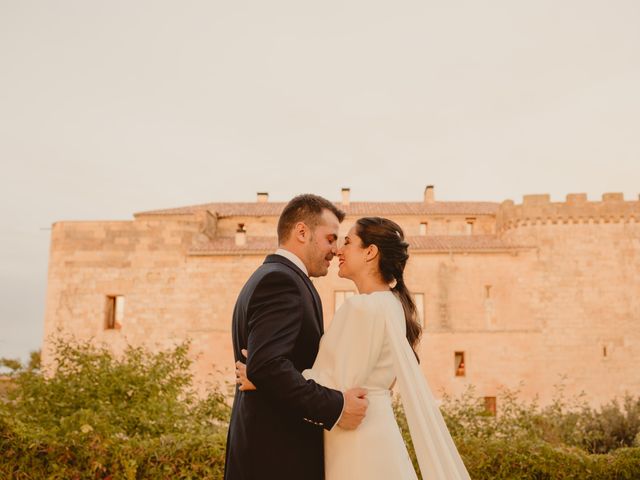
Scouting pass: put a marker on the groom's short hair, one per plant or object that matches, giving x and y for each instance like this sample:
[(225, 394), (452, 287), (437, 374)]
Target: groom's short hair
[(305, 208)]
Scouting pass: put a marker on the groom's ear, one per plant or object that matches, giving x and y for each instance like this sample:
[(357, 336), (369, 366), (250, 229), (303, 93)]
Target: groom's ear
[(301, 232)]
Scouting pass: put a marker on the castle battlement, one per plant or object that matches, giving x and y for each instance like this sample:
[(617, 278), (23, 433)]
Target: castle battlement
[(577, 209)]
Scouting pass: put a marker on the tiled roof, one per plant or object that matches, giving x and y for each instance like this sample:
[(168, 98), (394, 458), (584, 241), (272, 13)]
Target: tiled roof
[(444, 243), (273, 209), (460, 243), (227, 245)]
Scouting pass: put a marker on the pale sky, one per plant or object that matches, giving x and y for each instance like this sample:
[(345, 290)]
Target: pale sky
[(112, 107)]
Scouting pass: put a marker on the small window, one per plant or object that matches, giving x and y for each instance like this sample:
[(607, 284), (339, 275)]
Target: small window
[(487, 291), (340, 296), (114, 312), (460, 366), (604, 351), (490, 405), (469, 226), (423, 228), (418, 298)]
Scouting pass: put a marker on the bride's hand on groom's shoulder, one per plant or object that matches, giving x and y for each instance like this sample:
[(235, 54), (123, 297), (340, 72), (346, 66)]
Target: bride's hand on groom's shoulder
[(241, 375)]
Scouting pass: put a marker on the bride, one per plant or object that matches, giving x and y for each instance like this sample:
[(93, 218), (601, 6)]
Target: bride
[(371, 343)]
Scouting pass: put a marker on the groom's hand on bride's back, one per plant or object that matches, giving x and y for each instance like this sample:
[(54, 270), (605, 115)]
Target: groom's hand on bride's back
[(355, 399), (355, 408)]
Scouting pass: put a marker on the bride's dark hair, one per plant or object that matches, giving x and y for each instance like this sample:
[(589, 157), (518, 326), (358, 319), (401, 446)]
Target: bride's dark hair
[(393, 255)]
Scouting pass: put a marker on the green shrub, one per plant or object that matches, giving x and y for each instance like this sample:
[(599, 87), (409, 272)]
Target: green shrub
[(528, 442), (614, 425), (137, 417), (99, 416)]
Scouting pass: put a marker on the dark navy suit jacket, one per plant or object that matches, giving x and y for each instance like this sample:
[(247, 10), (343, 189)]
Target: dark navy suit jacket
[(276, 431)]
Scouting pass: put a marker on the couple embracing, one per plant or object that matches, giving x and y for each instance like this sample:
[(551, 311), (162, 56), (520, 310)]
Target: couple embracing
[(314, 405)]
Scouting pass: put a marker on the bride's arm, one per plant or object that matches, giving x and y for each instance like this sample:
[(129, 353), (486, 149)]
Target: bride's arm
[(357, 342), (316, 375)]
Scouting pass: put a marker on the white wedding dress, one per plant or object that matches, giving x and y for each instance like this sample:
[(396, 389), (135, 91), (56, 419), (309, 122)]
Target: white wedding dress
[(365, 346)]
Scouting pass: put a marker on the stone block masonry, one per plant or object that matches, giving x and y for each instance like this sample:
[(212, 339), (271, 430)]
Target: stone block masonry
[(532, 293)]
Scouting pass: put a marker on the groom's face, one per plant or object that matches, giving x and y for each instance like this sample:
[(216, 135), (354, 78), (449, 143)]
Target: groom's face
[(322, 246)]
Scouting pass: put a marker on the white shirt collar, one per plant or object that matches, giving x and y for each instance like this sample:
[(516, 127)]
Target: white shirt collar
[(293, 258)]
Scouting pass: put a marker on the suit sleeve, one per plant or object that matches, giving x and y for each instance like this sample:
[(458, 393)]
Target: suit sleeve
[(275, 319)]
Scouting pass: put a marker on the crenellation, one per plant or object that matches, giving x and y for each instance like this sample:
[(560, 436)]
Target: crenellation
[(612, 197), (576, 198), (536, 209)]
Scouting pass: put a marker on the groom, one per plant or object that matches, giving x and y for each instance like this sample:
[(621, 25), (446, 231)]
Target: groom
[(276, 431)]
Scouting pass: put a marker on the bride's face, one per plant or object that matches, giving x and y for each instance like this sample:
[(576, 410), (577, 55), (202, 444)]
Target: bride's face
[(351, 256)]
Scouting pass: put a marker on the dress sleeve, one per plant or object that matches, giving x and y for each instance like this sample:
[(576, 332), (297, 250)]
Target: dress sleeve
[(351, 346)]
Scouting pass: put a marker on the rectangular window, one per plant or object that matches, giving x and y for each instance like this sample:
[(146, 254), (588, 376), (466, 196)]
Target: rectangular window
[(340, 296), (469, 226), (418, 298), (490, 405), (114, 312), (459, 364), (423, 228), (487, 291)]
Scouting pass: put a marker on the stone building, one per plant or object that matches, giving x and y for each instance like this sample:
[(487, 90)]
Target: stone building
[(517, 295)]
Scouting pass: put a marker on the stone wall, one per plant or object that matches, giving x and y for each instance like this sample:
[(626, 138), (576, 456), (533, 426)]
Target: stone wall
[(584, 288), (538, 293)]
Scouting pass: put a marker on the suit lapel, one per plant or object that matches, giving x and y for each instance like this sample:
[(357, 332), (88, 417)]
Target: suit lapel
[(317, 303)]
